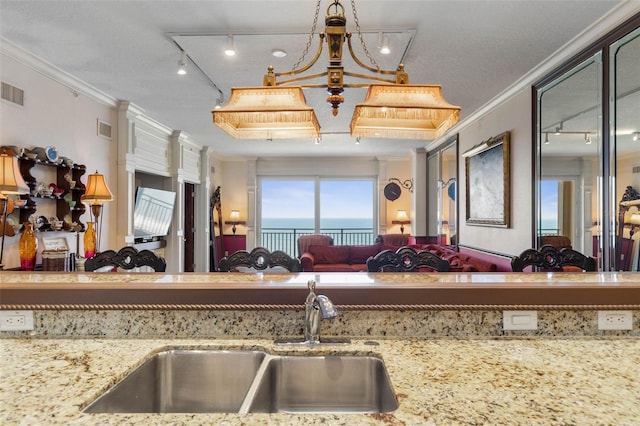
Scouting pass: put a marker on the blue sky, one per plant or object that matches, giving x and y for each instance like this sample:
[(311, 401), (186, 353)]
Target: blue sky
[(338, 199), (549, 200)]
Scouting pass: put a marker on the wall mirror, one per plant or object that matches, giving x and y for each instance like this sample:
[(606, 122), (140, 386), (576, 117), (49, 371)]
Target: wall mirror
[(442, 195), (588, 152), (625, 152), (570, 154)]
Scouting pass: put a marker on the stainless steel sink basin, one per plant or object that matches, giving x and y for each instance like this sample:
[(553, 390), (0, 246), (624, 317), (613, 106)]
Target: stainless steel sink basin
[(336, 384), (184, 381), (237, 381)]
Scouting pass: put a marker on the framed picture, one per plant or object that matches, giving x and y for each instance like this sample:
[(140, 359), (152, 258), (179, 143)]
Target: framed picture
[(487, 182)]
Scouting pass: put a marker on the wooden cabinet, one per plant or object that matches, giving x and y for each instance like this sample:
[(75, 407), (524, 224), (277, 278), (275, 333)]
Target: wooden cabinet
[(68, 178)]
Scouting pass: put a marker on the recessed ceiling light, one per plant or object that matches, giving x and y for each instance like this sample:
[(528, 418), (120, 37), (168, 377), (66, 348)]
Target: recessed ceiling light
[(279, 53)]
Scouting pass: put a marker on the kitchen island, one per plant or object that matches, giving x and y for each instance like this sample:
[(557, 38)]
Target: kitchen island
[(503, 381)]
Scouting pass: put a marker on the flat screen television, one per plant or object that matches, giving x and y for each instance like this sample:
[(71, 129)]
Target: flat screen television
[(152, 213)]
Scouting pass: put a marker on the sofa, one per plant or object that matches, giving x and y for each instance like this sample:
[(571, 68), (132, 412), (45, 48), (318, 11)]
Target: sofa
[(353, 258), (323, 258)]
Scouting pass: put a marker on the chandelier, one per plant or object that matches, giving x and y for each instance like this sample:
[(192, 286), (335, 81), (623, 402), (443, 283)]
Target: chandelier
[(392, 108)]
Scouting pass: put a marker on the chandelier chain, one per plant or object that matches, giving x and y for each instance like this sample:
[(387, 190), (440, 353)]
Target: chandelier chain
[(364, 46), (313, 30)]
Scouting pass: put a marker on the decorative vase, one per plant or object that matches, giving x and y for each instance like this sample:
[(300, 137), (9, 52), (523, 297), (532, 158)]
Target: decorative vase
[(90, 241), (28, 248)]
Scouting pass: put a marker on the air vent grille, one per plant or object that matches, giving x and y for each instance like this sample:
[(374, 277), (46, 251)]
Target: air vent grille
[(12, 94), (636, 169), (104, 129)]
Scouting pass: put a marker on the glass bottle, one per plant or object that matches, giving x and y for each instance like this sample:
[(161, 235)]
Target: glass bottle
[(90, 241), (28, 248)]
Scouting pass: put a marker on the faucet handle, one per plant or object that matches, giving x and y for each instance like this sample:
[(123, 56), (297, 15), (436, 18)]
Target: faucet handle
[(311, 285)]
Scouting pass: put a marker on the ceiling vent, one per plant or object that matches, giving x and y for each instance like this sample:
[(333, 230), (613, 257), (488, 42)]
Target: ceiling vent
[(636, 169), (104, 129), (12, 94)]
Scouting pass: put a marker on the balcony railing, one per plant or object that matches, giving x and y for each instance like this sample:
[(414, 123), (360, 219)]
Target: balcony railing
[(286, 239), (548, 231)]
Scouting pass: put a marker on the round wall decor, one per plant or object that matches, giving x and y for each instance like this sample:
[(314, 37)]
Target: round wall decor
[(392, 191)]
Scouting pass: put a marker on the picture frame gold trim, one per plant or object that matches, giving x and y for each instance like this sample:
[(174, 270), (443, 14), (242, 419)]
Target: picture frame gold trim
[(487, 181)]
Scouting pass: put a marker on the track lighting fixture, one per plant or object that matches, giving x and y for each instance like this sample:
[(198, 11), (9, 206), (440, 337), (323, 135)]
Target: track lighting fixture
[(636, 135), (218, 103), (357, 140), (182, 64), (229, 49), (587, 138), (546, 139)]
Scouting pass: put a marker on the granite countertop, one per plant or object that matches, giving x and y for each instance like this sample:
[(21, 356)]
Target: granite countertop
[(437, 381)]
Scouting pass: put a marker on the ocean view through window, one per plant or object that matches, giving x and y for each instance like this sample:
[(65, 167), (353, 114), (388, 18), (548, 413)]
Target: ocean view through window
[(341, 208)]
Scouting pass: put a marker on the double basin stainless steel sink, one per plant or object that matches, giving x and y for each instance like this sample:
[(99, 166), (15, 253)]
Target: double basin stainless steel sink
[(239, 381)]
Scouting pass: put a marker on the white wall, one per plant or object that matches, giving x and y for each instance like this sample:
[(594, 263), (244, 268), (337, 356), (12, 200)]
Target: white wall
[(234, 193), (54, 115), (400, 169), (514, 116)]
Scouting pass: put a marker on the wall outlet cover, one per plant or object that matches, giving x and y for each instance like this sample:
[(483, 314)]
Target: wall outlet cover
[(16, 320), (519, 320), (615, 320)]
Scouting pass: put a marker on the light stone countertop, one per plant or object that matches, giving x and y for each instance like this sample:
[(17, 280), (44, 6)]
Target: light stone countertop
[(610, 290), (438, 381)]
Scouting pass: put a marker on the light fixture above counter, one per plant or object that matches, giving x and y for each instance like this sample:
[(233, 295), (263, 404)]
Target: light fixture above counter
[(393, 108)]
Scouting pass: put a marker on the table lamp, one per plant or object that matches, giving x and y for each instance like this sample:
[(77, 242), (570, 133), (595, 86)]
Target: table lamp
[(11, 182), (96, 193), (401, 219), (234, 219)]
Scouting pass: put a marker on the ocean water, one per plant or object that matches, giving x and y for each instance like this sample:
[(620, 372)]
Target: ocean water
[(548, 224)]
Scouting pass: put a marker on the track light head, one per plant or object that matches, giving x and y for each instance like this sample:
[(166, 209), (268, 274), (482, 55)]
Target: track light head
[(229, 49), (383, 44), (182, 64)]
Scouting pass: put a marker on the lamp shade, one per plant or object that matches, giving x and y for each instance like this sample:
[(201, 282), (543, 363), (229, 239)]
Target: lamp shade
[(11, 181), (234, 215), (402, 215), (404, 111), (267, 113), (97, 191)]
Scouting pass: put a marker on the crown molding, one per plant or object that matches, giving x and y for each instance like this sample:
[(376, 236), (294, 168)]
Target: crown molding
[(60, 76), (617, 16)]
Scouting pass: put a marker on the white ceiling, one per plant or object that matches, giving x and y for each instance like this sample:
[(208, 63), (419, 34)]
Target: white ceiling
[(130, 50)]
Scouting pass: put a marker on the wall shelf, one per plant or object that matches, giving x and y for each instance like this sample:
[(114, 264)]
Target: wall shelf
[(62, 174)]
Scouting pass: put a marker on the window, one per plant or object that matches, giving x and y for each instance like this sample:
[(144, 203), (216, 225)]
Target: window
[(342, 208), (549, 208)]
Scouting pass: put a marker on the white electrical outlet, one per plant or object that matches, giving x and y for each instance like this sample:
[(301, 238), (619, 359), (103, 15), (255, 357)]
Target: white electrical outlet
[(16, 320), (519, 320), (615, 320)]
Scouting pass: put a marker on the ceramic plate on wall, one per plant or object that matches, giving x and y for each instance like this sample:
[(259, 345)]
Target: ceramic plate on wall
[(52, 153)]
